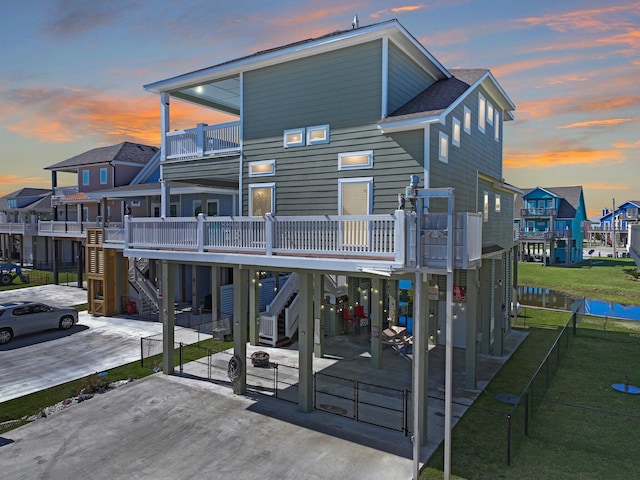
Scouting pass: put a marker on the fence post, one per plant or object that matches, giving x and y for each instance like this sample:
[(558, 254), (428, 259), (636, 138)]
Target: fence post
[(405, 411), (209, 355), (275, 379), (141, 352), (180, 358), (355, 398), (526, 413)]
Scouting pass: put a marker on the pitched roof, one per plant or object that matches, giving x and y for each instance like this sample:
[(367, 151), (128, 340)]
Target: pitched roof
[(569, 200), (125, 152), (27, 192), (439, 96), (41, 199)]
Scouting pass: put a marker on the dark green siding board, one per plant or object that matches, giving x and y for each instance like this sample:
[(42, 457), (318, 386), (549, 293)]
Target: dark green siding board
[(406, 78), (226, 169), (342, 88)]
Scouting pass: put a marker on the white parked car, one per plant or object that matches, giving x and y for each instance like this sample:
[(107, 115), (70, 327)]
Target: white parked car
[(18, 318)]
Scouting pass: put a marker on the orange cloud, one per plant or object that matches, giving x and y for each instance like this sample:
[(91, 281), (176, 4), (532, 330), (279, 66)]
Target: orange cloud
[(595, 19), (611, 187), (11, 183), (407, 8), (69, 114), (559, 105), (598, 123), (523, 65), (555, 158)]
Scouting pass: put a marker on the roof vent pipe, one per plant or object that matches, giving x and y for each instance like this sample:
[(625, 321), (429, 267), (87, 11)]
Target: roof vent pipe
[(356, 22)]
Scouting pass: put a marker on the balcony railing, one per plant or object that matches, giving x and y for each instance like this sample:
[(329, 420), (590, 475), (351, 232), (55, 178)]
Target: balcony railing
[(203, 140), (16, 228), (538, 212), (385, 238), (527, 235)]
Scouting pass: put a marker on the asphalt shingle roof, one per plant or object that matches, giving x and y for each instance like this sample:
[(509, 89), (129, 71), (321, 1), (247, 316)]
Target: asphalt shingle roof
[(569, 203), (125, 152)]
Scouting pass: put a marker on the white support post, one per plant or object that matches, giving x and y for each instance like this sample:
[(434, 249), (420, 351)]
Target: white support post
[(165, 125), (448, 384), (200, 232)]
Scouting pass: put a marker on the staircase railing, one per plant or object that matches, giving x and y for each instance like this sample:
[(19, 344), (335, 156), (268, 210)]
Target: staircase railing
[(141, 283), (269, 319)]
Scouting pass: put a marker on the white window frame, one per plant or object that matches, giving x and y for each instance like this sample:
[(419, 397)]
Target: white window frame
[(496, 127), (443, 147), (294, 131), (485, 210), (455, 132), (259, 166), (467, 120), (217, 204), (317, 128), (86, 177), (498, 205), (482, 112), (365, 180), (365, 153), (490, 112), (158, 206), (254, 186), (104, 176)]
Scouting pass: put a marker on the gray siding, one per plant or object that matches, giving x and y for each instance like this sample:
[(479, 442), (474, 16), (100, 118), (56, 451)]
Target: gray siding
[(406, 79), (498, 230), (216, 170), (342, 88)]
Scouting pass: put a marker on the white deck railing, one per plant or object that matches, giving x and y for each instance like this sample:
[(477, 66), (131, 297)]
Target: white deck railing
[(203, 140), (467, 241), (16, 228)]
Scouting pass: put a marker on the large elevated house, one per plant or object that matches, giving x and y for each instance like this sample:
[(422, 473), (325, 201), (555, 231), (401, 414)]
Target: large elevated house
[(355, 154)]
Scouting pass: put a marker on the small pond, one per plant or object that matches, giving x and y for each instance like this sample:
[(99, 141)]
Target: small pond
[(542, 297)]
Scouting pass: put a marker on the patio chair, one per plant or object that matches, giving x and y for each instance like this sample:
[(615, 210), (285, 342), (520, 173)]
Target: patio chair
[(363, 318), (348, 319)]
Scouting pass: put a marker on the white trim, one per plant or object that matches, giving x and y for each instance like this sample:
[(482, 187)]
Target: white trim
[(385, 77), (365, 180), (265, 173), (455, 133), (367, 153), (467, 120), (496, 126), (490, 112), (485, 208), (86, 181), (318, 128), (294, 131), (254, 186), (498, 204), (106, 176), (443, 147), (482, 112), (427, 156), (212, 202)]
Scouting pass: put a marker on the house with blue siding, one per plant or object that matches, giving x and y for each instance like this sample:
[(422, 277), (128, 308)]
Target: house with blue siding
[(616, 226), (550, 223), (355, 155)]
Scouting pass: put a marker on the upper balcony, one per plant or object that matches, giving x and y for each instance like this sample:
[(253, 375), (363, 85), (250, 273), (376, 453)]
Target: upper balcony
[(72, 229), (19, 228), (203, 141), (378, 244), (543, 235), (538, 212)]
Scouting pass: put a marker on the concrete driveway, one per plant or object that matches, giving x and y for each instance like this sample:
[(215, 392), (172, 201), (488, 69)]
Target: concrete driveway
[(167, 427), (31, 363)]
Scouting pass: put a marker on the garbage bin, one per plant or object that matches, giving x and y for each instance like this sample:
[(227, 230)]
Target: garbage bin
[(131, 308)]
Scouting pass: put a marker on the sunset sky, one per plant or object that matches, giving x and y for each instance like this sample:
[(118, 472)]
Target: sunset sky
[(73, 70)]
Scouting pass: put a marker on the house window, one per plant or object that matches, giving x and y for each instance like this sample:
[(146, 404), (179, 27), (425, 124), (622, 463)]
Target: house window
[(444, 147), (455, 132), (85, 214), (261, 199), (485, 211), (262, 169), (317, 135), (197, 207), (355, 160), (103, 176), (482, 104), (156, 210), (490, 113), (85, 177), (467, 120), (354, 198), (294, 138), (497, 203), (212, 208), (496, 127)]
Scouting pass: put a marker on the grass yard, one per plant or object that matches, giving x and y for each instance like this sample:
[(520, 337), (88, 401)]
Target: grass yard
[(583, 430), (601, 278)]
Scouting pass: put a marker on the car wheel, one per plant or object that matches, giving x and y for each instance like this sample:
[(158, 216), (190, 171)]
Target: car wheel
[(5, 279), (66, 322), (5, 336)]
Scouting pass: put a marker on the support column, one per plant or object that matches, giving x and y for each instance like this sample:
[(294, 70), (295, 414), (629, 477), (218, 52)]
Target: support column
[(318, 323), (305, 343), (472, 329), (167, 316), (393, 302), (240, 325), (55, 260), (195, 284), (80, 271), (121, 280), (215, 293), (375, 317), (420, 358), (254, 308)]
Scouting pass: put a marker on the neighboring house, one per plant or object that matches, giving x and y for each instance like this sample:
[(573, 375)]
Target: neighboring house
[(551, 224), (617, 226), (335, 140), (20, 212), (73, 207)]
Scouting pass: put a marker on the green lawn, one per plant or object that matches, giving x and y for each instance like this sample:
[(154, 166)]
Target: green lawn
[(602, 278), (582, 430)]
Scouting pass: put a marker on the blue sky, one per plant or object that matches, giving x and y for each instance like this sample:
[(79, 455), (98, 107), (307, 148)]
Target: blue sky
[(73, 73)]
